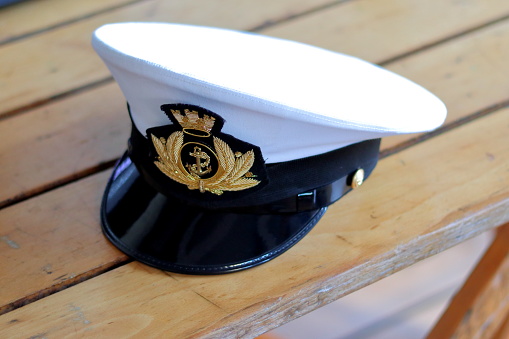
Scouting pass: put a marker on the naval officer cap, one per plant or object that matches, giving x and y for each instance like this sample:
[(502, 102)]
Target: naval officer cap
[(240, 141)]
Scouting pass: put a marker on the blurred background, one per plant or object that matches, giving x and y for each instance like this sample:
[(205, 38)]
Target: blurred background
[(403, 306)]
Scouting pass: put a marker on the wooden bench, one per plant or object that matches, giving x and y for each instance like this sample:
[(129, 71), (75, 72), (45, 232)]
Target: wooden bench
[(63, 123)]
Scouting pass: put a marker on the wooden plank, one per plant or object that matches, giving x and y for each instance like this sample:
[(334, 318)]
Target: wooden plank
[(53, 241), (382, 30), (482, 304), (416, 204), (29, 17), (65, 139), (473, 64), (458, 72), (66, 61)]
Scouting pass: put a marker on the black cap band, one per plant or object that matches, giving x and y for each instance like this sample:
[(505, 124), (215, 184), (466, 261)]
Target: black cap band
[(293, 186)]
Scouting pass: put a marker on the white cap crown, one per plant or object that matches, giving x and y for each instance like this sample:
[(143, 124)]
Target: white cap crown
[(290, 99)]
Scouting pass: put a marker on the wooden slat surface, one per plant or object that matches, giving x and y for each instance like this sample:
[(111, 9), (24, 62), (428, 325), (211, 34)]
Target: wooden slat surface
[(67, 138), (53, 241), (36, 16), (63, 122), (389, 29), (414, 205), (466, 73), (70, 137), (69, 62)]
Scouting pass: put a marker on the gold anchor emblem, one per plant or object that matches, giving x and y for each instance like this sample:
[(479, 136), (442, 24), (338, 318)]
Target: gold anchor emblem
[(197, 168), (215, 169)]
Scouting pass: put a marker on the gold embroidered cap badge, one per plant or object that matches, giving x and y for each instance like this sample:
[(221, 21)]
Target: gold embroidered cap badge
[(202, 161)]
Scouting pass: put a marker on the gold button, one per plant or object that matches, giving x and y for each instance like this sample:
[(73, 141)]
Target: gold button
[(358, 178)]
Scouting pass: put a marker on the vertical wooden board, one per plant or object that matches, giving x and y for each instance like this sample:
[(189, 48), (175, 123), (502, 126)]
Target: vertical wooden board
[(61, 140), (51, 241), (381, 30), (490, 311), (62, 60), (28, 17), (482, 304), (414, 205), (503, 331)]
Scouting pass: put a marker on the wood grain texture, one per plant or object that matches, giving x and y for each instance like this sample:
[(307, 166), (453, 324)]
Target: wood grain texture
[(414, 205), (34, 16), (65, 60), (458, 72), (65, 139), (466, 73), (53, 241), (380, 31), (479, 309)]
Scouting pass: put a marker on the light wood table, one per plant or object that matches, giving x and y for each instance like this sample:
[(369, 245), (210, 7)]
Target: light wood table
[(63, 123)]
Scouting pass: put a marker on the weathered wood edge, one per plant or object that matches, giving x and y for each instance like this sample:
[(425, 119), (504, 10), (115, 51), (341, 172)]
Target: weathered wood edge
[(259, 318)]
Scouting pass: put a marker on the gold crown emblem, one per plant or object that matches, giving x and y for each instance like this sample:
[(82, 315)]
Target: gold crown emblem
[(191, 120)]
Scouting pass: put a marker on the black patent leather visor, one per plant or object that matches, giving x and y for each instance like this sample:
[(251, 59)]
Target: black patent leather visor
[(176, 236)]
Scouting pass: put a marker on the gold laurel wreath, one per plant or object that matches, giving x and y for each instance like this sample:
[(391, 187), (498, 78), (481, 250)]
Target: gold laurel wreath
[(233, 169)]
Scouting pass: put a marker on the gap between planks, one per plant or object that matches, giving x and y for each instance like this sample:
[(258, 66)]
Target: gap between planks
[(72, 281), (65, 23), (267, 24), (444, 40), (443, 129)]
